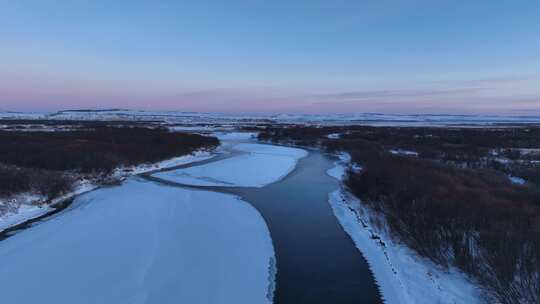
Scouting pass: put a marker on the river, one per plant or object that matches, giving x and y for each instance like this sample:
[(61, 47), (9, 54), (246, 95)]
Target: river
[(317, 262)]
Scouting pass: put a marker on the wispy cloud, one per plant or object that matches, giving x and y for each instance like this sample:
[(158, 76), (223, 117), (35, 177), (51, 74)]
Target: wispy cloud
[(398, 93), (493, 81)]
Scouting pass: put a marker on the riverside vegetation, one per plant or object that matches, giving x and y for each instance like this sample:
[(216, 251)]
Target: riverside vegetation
[(446, 193), (48, 163)]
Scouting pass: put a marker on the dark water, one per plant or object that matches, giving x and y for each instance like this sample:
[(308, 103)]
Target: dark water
[(317, 261)]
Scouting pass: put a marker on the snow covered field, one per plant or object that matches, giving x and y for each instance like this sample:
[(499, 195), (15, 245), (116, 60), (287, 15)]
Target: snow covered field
[(142, 243), (199, 119), (403, 277), (257, 166)]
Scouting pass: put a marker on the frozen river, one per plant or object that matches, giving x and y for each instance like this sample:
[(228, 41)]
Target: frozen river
[(317, 261), (208, 232)]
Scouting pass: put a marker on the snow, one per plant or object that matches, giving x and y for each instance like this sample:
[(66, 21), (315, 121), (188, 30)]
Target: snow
[(337, 172), (403, 277), (403, 152), (184, 119), (27, 206), (334, 135), (21, 115), (168, 163), (517, 180), (524, 151), (344, 157), (235, 135), (142, 243), (194, 128), (502, 160), (22, 213), (257, 166), (356, 168)]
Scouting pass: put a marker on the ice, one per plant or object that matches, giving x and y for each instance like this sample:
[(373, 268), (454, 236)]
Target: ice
[(142, 243), (257, 166)]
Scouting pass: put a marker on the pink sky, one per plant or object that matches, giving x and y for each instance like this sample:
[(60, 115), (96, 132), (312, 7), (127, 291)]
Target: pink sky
[(515, 95)]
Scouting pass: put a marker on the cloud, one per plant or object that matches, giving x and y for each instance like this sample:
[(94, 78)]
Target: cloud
[(493, 81), (445, 105), (398, 93)]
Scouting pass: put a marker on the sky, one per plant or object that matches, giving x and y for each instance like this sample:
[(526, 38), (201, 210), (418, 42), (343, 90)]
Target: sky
[(263, 56)]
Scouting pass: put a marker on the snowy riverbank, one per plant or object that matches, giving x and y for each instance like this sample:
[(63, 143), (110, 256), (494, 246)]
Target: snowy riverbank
[(257, 165), (143, 243), (403, 277), (27, 206)]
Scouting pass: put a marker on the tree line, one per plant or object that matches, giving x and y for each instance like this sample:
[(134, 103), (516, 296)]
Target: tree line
[(49, 163)]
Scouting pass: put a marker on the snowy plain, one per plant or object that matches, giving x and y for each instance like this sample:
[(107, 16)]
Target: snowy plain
[(402, 276), (200, 119), (257, 165), (234, 119), (142, 243)]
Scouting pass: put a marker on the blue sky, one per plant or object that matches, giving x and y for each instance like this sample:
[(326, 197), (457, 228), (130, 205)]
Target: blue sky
[(396, 56)]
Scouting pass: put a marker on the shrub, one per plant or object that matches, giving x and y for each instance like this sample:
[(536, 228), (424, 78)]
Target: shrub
[(46, 162), (96, 150), (471, 218)]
